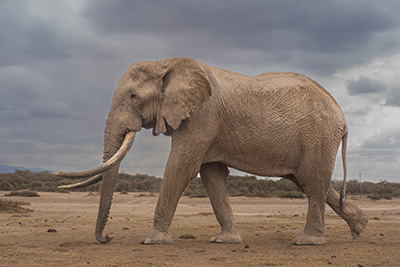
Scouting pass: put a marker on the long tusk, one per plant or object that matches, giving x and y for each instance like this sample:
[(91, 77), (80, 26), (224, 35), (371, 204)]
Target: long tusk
[(122, 151), (90, 181)]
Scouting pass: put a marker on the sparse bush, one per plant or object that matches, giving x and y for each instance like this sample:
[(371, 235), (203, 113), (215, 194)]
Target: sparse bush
[(249, 186), (375, 197), (199, 193), (396, 194), (291, 194), (23, 194), (13, 206), (387, 196), (5, 185), (145, 195)]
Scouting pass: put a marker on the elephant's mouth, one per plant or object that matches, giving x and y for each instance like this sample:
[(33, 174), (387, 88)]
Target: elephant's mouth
[(96, 174)]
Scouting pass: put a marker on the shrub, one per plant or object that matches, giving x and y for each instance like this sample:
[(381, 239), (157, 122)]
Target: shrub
[(5, 185), (387, 196), (13, 206), (25, 193), (375, 197), (396, 194), (249, 186), (201, 192), (291, 194)]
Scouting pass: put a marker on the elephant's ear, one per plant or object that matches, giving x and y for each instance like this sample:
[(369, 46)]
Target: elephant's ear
[(185, 88)]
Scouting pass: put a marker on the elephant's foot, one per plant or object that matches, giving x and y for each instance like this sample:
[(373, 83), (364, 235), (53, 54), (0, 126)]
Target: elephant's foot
[(156, 237), (305, 239), (357, 226), (226, 237)]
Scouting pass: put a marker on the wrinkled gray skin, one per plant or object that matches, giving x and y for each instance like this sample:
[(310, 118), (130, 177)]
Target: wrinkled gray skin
[(273, 124)]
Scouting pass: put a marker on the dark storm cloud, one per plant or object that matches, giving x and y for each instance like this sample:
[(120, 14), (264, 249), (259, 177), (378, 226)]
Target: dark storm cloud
[(377, 90), (317, 37), (26, 38), (61, 60), (364, 85)]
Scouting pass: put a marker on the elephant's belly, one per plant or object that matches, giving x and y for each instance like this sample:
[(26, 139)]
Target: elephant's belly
[(254, 160)]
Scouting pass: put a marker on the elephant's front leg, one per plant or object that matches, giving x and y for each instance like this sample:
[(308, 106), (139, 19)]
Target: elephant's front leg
[(177, 175), (214, 177)]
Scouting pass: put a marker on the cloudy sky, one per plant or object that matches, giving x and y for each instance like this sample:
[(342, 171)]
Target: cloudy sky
[(60, 62)]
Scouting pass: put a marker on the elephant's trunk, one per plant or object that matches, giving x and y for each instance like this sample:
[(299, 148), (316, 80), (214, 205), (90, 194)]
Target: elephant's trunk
[(112, 144), (106, 195)]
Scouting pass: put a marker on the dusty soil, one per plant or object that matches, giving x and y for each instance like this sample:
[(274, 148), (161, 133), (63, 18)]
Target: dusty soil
[(267, 227)]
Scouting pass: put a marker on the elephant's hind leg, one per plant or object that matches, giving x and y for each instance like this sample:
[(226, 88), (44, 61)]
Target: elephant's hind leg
[(313, 233), (214, 177), (353, 215), (315, 189)]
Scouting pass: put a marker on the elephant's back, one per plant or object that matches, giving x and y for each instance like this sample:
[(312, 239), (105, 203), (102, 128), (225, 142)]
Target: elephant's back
[(298, 90), (280, 101), (294, 80), (275, 98)]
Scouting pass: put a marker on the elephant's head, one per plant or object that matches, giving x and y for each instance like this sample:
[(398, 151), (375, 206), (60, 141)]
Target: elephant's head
[(158, 95)]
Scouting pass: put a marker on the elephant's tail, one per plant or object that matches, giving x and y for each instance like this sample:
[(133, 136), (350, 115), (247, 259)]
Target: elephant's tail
[(344, 146)]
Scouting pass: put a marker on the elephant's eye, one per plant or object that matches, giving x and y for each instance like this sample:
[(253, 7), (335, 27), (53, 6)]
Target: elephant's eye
[(132, 96)]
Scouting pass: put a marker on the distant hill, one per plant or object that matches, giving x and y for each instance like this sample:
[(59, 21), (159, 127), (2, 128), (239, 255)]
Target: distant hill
[(9, 169)]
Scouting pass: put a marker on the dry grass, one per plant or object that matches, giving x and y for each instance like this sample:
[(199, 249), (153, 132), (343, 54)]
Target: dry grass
[(13, 206), (267, 227)]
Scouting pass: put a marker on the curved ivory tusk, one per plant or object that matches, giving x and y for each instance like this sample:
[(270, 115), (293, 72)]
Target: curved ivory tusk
[(122, 151), (90, 181)]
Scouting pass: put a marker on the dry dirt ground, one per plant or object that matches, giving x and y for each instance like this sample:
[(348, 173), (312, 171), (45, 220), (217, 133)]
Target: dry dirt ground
[(267, 226)]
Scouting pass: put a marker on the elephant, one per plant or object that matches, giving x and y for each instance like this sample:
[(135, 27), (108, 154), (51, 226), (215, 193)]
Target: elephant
[(279, 124)]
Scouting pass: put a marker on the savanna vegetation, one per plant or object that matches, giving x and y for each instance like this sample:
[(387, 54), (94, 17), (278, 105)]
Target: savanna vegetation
[(248, 186), (13, 206)]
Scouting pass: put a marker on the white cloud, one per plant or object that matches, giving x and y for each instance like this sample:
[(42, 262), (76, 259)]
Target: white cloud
[(373, 117)]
